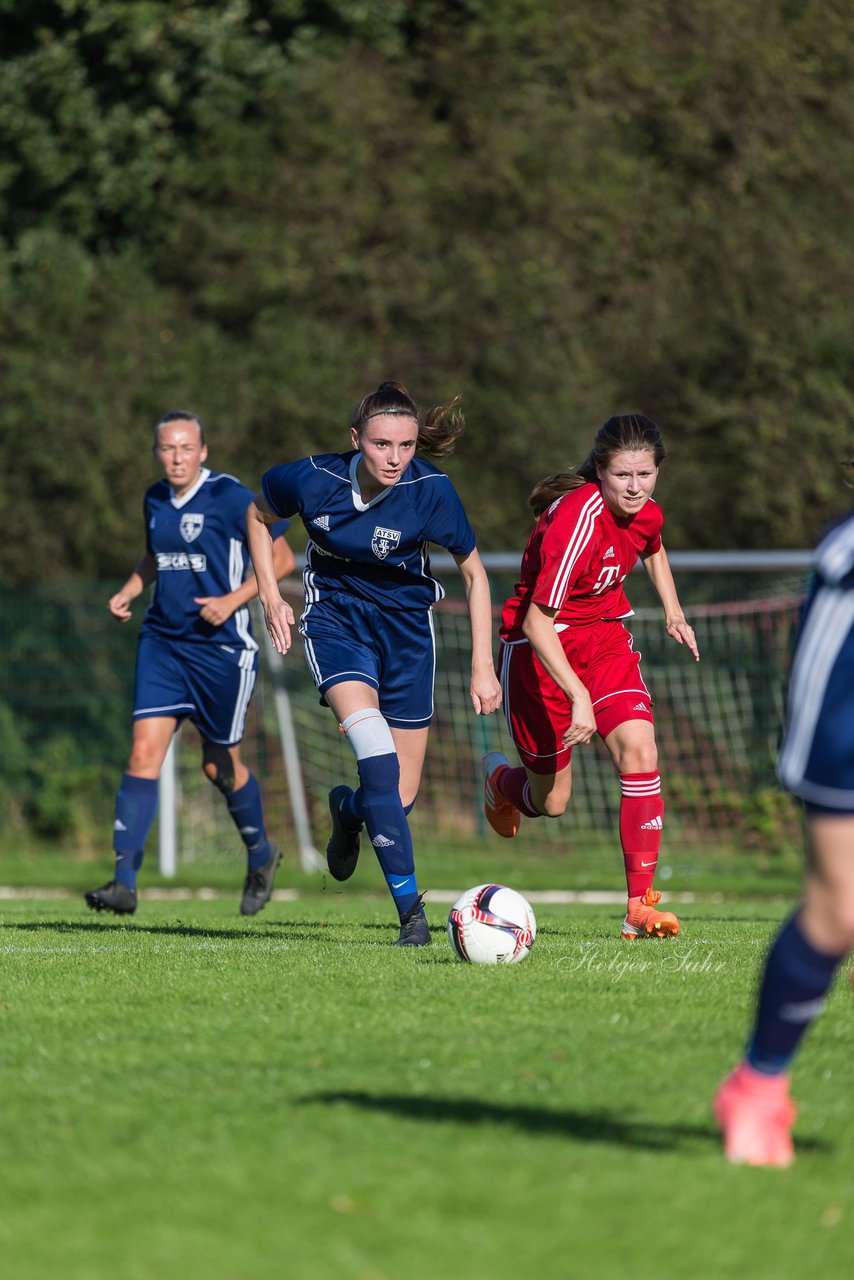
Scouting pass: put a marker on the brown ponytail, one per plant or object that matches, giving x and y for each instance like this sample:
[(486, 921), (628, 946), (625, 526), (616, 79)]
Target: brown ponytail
[(437, 431), (624, 433), (552, 487)]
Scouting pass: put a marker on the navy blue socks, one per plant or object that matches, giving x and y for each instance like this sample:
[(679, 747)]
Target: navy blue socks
[(136, 805), (247, 813), (794, 984), (353, 815), (388, 829), (351, 812)]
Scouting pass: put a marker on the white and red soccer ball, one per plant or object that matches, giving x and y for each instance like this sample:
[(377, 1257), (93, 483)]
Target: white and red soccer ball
[(491, 924)]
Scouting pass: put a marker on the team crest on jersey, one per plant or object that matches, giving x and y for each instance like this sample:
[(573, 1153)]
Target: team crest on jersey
[(191, 526), (384, 541)]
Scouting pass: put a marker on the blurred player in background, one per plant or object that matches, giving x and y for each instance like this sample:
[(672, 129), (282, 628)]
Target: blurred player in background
[(368, 619), (567, 663), (196, 657), (816, 763)]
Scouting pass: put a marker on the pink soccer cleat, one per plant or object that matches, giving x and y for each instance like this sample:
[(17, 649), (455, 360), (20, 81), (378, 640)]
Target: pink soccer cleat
[(756, 1114)]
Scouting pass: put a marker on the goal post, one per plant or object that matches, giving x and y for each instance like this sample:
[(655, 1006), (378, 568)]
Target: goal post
[(309, 858)]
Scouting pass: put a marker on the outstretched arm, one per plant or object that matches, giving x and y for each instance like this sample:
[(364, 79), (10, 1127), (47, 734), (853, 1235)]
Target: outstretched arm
[(278, 614), (484, 689), (658, 568), (144, 574), (539, 629)]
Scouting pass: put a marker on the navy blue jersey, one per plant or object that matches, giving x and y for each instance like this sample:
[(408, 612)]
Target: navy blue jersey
[(198, 542), (817, 757), (375, 550)]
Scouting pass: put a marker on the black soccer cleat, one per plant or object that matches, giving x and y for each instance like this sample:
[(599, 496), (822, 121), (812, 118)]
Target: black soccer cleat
[(414, 929), (114, 896), (342, 851), (258, 885)]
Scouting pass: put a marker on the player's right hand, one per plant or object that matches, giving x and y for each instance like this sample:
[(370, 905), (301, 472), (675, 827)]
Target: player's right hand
[(279, 617), (119, 606), (583, 724)]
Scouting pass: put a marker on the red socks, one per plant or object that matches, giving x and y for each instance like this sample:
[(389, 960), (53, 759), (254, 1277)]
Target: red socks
[(641, 812), (514, 786)]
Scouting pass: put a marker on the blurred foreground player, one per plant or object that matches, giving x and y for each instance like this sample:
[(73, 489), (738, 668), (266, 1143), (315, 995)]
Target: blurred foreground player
[(196, 658), (816, 763)]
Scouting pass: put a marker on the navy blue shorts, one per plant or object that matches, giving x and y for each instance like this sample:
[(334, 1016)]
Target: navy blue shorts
[(817, 757), (392, 650), (210, 684)]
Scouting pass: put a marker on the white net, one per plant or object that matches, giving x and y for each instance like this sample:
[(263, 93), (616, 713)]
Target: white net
[(717, 723)]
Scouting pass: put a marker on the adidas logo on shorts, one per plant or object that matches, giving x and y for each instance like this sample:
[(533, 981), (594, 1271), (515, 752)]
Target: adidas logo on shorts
[(640, 706), (655, 825), (381, 842), (322, 522)]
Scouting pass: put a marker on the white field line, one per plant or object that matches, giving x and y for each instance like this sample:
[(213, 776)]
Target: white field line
[(555, 897)]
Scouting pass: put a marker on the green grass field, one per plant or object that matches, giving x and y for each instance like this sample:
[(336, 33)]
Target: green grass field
[(188, 1093)]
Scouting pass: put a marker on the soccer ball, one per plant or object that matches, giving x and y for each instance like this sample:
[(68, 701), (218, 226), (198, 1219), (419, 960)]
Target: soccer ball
[(491, 924)]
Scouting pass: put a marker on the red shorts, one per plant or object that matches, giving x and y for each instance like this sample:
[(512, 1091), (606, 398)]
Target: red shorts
[(538, 712)]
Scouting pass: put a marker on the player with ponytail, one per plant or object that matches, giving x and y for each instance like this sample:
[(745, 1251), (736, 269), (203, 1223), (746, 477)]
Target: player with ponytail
[(367, 625), (567, 665)]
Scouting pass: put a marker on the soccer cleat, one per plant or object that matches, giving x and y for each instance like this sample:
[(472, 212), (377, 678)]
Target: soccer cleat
[(502, 816), (258, 885), (756, 1114), (114, 896), (414, 929), (342, 851), (644, 920)]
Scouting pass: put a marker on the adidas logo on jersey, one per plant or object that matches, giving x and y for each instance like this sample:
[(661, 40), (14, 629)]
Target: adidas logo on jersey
[(322, 522), (382, 842), (609, 554), (654, 825)]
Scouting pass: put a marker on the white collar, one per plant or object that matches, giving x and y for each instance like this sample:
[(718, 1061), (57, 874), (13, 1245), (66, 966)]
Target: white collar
[(191, 493), (358, 501)]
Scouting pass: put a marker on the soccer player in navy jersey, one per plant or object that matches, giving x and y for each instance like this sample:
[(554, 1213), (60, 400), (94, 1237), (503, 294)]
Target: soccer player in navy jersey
[(567, 665), (367, 625), (816, 764), (196, 657)]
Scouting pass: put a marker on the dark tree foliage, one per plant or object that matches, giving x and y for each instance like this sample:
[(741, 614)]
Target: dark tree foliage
[(561, 210)]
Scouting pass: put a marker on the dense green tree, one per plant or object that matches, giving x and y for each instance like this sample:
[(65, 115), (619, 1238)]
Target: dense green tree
[(257, 210)]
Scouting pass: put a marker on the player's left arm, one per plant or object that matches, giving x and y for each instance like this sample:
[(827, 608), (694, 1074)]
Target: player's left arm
[(216, 610), (658, 567), (484, 689)]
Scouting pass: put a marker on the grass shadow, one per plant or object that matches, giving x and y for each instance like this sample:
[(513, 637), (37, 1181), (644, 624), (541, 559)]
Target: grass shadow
[(128, 926), (598, 1126), (333, 933)]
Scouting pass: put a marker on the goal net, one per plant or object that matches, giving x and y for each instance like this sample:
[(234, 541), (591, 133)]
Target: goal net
[(718, 724)]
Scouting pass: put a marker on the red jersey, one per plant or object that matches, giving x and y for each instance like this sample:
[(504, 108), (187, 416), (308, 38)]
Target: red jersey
[(577, 557)]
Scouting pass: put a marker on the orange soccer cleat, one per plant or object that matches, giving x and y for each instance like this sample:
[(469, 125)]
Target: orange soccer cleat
[(756, 1114), (502, 816), (644, 920)]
